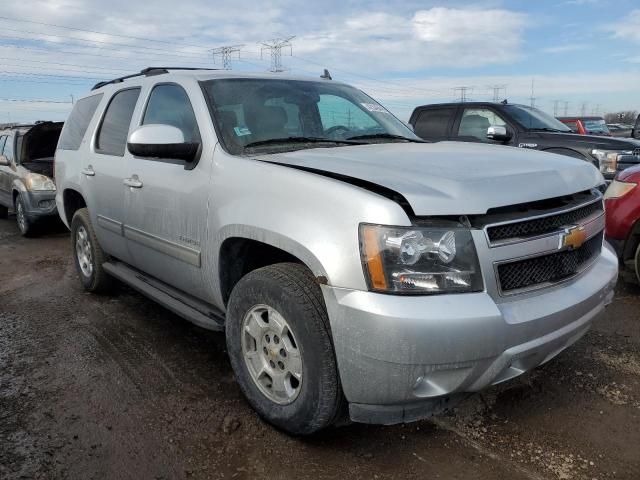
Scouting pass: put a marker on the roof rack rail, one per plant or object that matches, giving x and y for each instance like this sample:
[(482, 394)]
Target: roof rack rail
[(147, 72)]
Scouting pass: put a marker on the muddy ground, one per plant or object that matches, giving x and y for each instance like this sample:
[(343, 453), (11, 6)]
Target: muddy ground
[(116, 387)]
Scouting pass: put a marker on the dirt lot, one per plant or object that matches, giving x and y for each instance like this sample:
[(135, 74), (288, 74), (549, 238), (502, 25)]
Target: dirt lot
[(118, 387)]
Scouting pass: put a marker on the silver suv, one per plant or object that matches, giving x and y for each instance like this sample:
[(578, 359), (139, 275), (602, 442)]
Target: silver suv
[(357, 271)]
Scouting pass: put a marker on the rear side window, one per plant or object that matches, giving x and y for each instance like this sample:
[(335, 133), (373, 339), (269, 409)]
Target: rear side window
[(170, 105), (114, 129), (76, 125), (434, 123), (2, 140)]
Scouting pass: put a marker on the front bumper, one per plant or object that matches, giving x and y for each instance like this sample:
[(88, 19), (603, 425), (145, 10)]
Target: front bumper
[(39, 204), (402, 358)]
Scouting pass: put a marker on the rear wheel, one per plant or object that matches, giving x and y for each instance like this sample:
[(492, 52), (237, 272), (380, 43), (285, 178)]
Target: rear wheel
[(280, 347), (88, 255)]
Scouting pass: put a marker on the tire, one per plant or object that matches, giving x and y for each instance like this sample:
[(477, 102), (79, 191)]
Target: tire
[(26, 227), (4, 212), (88, 255), (284, 292)]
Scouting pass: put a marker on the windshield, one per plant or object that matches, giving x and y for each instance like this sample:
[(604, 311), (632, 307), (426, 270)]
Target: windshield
[(534, 119), (276, 115), (595, 126)]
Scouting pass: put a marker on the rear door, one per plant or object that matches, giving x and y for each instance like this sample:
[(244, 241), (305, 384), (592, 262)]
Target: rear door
[(105, 170), (166, 213), (434, 123)]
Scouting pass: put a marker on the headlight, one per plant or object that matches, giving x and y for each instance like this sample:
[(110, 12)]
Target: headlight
[(608, 159), (419, 260), (36, 182), (619, 189)]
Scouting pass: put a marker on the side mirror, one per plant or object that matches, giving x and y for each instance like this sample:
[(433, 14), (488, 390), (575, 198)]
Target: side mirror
[(4, 162), (161, 141), (498, 133)]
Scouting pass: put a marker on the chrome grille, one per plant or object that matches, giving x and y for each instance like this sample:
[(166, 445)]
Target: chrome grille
[(547, 269), (542, 225)]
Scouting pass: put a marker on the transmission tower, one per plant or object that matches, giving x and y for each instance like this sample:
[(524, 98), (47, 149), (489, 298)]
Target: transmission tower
[(556, 105), (275, 47), (496, 91), (583, 108), (532, 97), (225, 54), (566, 108), (463, 92)]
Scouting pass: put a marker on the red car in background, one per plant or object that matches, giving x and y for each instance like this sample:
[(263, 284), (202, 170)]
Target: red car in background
[(622, 203), (587, 125)]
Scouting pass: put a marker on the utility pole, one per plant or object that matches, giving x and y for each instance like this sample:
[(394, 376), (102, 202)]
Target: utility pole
[(496, 91), (463, 92), (275, 47), (532, 98), (583, 108), (225, 54), (72, 99)]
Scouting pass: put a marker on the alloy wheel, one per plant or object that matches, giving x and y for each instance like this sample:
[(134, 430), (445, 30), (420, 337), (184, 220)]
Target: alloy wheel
[(83, 252)]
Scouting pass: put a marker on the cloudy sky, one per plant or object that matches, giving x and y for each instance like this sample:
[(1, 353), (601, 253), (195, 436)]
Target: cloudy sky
[(404, 53)]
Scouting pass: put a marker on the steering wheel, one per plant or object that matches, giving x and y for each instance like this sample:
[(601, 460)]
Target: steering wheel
[(336, 128)]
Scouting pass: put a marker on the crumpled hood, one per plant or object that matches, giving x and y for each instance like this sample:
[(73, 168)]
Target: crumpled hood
[(452, 178)]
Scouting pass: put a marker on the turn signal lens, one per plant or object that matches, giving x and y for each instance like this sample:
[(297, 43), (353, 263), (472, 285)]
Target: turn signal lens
[(619, 189)]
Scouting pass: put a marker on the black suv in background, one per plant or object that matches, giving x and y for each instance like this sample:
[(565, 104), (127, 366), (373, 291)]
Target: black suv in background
[(26, 173), (521, 126)]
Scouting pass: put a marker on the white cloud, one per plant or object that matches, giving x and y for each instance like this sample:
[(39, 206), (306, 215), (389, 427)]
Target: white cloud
[(627, 28), (570, 47), (437, 37)]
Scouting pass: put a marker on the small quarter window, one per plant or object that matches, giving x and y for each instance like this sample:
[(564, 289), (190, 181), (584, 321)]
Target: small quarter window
[(114, 130), (433, 123)]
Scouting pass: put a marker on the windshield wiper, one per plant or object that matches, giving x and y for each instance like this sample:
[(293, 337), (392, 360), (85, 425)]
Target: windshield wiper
[(274, 141), (373, 136)]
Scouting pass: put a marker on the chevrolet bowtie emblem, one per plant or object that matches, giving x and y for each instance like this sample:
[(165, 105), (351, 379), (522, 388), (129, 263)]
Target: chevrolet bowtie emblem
[(573, 238)]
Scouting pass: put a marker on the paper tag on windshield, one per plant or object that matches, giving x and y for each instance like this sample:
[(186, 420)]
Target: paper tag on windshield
[(374, 107), (241, 131)]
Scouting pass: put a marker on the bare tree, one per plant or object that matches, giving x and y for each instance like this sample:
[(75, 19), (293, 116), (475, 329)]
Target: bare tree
[(628, 116)]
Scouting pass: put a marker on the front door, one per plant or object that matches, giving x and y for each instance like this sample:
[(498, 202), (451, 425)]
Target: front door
[(168, 203)]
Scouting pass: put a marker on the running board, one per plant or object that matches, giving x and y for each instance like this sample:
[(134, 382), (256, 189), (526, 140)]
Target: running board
[(193, 310)]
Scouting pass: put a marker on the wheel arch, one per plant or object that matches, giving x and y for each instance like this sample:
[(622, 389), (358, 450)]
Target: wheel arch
[(241, 253), (72, 201)]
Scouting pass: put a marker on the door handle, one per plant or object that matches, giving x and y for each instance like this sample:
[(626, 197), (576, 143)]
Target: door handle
[(133, 182), (89, 172)]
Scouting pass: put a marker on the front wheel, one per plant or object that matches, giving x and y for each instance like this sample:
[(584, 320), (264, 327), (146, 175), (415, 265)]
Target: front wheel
[(25, 225), (280, 347), (88, 255)]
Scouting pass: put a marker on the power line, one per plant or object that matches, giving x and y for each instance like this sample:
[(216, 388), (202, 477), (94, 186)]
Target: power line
[(463, 92), (30, 100), (275, 47), (496, 91), (64, 64), (225, 53), (169, 42)]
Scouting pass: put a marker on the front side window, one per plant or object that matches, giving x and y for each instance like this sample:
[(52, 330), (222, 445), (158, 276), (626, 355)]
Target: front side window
[(169, 105), (78, 122), (3, 139), (533, 119), (114, 130), (476, 121), (273, 114), (433, 123)]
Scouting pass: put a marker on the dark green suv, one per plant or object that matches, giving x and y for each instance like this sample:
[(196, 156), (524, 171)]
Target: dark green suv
[(26, 173)]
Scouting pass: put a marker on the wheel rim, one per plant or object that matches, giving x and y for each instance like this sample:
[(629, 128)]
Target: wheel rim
[(83, 252), (22, 221), (271, 354)]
